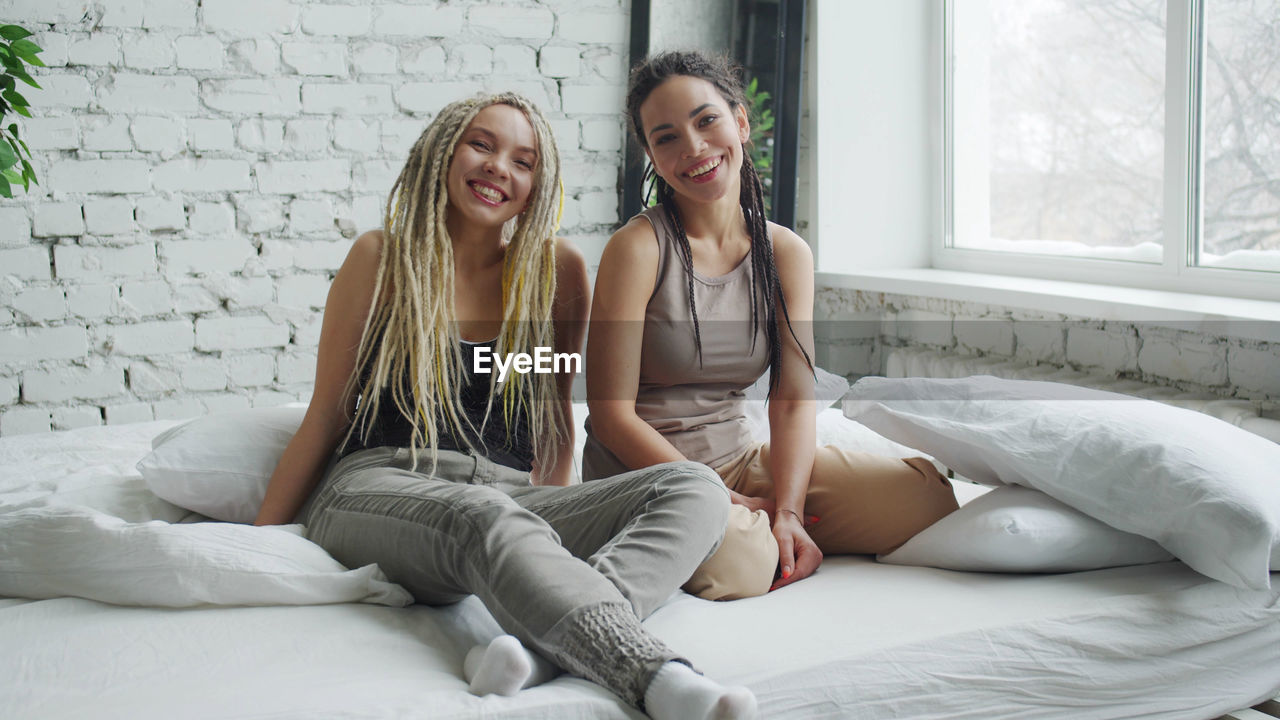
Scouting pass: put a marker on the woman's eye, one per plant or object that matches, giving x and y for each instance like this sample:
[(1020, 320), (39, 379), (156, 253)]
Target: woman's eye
[(480, 144), (664, 139), (707, 120), (525, 164)]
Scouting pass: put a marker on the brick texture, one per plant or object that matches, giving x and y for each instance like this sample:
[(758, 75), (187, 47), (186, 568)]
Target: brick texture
[(205, 165), (1163, 357)]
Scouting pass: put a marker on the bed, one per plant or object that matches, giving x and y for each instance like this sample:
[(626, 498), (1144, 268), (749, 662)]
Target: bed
[(860, 639)]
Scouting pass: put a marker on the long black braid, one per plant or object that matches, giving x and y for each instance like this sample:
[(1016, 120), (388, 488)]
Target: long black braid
[(722, 74)]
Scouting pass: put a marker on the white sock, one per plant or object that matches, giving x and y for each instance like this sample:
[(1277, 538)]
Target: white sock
[(678, 693), (505, 667)]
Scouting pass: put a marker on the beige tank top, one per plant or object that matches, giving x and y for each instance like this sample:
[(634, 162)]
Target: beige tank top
[(698, 408)]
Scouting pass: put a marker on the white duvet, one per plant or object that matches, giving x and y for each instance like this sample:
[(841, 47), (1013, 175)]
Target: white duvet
[(859, 640), (48, 552), (76, 520), (81, 525)]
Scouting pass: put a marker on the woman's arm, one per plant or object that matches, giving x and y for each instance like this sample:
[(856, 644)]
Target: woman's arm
[(329, 413), (569, 317), (624, 283), (791, 418)]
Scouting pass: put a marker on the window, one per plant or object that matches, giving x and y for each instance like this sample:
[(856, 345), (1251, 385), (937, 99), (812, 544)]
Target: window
[(1132, 142)]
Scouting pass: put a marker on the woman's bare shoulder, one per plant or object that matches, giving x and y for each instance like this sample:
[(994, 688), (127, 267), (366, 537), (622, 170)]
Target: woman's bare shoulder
[(359, 272), (635, 242), (788, 245), (368, 244), (569, 257)]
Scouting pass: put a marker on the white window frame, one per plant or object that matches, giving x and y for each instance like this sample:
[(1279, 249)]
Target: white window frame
[(1182, 170)]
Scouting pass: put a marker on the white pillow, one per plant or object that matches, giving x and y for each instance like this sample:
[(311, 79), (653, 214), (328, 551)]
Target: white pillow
[(1014, 529), (1205, 490), (219, 465), (829, 388), (836, 430)]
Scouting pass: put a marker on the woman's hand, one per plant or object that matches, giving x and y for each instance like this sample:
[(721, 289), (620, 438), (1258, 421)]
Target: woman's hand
[(752, 503), (798, 554)]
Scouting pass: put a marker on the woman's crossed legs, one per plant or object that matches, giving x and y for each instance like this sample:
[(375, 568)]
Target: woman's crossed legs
[(569, 571)]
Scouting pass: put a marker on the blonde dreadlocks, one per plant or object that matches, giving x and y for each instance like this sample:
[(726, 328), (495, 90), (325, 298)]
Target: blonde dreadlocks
[(411, 332)]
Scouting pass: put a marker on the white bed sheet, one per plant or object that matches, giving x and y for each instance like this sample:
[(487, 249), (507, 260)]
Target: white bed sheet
[(858, 640)]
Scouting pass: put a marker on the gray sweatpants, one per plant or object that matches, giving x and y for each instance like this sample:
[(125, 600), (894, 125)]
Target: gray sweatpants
[(568, 570)]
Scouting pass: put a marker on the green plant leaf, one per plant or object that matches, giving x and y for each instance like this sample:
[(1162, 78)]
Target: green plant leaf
[(8, 158), (28, 175), (7, 82), (30, 56), (4, 188), (24, 77), (15, 98), (25, 48), (14, 32), (11, 176)]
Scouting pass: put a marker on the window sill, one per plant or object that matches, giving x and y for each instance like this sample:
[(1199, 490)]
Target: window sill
[(1209, 314)]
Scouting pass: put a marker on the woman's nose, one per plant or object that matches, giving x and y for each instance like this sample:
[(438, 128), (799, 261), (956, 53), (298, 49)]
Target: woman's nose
[(693, 146), (495, 166)]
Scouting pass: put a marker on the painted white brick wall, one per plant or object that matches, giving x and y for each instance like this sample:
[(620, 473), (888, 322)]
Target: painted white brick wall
[(204, 167), (1191, 359)]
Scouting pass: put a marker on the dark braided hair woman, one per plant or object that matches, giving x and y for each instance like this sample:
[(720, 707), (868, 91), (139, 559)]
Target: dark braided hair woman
[(695, 299)]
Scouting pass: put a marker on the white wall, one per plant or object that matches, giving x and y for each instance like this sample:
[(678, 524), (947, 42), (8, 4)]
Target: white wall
[(204, 167), (873, 131)]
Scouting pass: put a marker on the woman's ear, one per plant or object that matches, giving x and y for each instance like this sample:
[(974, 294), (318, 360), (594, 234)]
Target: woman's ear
[(744, 123), (649, 155)]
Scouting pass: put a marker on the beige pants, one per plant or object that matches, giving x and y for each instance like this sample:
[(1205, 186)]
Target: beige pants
[(865, 504)]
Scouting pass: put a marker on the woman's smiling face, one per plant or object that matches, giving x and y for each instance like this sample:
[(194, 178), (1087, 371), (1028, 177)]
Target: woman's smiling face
[(492, 170), (693, 138)]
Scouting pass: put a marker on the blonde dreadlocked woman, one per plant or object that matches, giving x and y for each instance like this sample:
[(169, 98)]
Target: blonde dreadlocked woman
[(696, 298), (451, 481)]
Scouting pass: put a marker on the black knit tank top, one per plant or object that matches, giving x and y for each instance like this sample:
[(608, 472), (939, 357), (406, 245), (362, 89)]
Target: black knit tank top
[(514, 449)]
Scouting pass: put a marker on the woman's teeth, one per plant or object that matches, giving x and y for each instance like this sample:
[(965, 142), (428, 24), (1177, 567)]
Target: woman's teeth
[(488, 193), (704, 168)]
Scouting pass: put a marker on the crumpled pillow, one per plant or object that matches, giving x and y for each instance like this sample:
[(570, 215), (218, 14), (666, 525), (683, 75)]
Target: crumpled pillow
[(219, 465), (1015, 529), (1205, 490)]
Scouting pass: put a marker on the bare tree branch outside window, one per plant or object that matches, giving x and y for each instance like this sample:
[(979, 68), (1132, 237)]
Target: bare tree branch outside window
[(1241, 132), (1077, 93), (1077, 123)]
